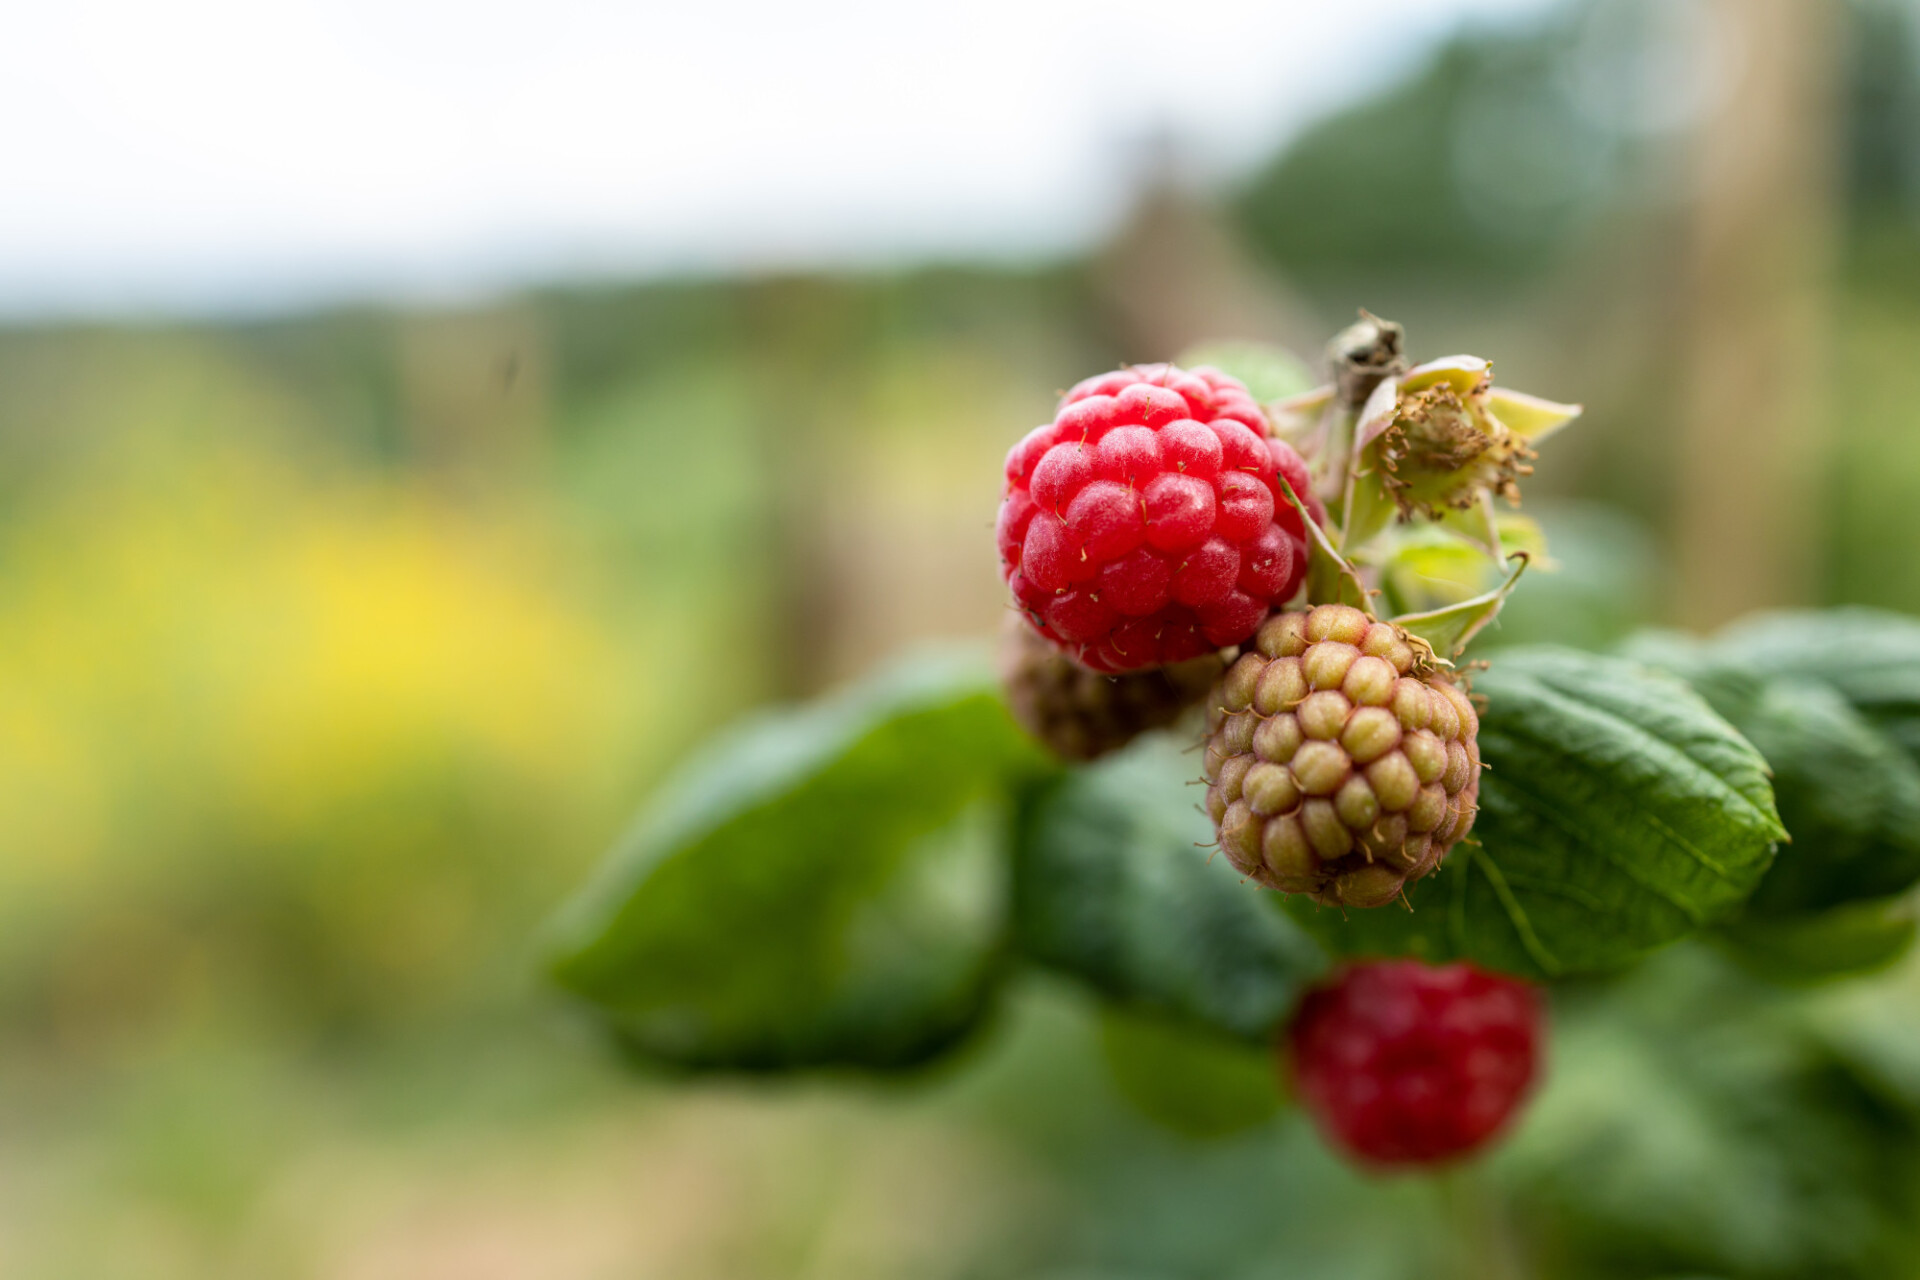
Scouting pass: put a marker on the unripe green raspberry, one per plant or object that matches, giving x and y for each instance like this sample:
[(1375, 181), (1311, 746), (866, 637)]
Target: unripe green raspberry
[(1080, 714), (1341, 759)]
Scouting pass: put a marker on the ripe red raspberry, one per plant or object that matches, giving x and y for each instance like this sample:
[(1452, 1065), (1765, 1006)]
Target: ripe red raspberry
[(1145, 525), (1403, 1063)]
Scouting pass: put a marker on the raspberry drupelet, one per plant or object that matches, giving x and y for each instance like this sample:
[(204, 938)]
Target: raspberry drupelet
[(1146, 524)]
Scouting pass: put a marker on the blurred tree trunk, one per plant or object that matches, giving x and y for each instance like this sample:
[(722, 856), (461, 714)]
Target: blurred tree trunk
[(1755, 425), (800, 333)]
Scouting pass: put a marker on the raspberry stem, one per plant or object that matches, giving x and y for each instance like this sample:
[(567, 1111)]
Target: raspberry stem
[(1363, 355), (1486, 1247)]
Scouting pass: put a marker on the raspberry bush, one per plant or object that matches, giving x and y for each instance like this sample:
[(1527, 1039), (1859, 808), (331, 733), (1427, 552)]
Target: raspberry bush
[(1238, 775)]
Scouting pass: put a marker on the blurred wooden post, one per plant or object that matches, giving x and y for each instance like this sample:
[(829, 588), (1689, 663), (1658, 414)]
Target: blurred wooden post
[(1756, 409), (1177, 273)]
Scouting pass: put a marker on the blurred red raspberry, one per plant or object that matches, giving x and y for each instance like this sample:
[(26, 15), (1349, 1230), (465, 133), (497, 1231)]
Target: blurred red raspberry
[(1405, 1064)]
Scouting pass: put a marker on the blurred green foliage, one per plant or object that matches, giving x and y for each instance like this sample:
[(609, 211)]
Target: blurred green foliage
[(821, 888)]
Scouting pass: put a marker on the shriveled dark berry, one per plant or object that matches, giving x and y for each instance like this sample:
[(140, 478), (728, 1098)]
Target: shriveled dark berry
[(1080, 714)]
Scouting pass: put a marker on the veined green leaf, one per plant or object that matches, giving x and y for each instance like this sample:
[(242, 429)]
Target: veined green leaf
[(824, 886), (1112, 886), (1870, 655), (1618, 813), (1849, 796)]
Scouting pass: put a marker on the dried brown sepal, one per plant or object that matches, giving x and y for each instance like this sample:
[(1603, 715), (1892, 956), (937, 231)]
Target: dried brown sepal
[(1443, 450)]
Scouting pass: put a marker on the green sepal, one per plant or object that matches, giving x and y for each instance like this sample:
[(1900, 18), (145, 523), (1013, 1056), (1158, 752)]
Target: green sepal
[(1449, 630), (1331, 577), (1530, 417)]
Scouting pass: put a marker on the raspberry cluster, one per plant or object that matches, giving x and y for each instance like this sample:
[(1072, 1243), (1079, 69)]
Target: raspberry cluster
[(1341, 761), (1146, 524), (1407, 1064)]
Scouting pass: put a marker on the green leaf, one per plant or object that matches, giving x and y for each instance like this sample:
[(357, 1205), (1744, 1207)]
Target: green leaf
[(822, 886), (1850, 799), (1271, 373), (1869, 655), (1618, 813), (1111, 886), (1693, 1123), (1843, 941), (1193, 1082), (1848, 795)]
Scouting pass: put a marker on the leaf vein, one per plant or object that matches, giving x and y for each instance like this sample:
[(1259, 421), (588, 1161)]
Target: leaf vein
[(1552, 816), (1516, 914), (1661, 746)]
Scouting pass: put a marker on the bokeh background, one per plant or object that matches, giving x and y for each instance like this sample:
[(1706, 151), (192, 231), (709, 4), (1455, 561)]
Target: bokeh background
[(420, 425)]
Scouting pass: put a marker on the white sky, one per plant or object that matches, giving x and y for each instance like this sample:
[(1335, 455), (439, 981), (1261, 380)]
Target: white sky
[(235, 154)]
